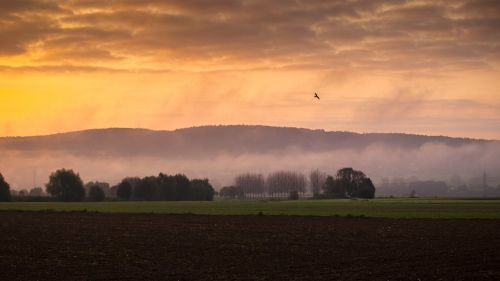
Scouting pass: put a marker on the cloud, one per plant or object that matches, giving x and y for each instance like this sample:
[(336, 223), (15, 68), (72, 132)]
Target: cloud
[(66, 68), (200, 34)]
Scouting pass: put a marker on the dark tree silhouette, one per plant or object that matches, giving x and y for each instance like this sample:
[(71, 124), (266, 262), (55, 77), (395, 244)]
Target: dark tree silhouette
[(4, 190), (147, 189), (166, 187), (350, 180), (96, 193), (124, 190), (332, 188), (349, 183), (181, 185), (103, 185), (201, 190), (366, 189), (66, 185)]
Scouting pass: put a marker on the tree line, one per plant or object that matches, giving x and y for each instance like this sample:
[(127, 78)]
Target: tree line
[(346, 183), (165, 187), (66, 185)]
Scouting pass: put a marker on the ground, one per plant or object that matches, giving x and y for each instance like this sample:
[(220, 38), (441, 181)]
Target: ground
[(107, 246)]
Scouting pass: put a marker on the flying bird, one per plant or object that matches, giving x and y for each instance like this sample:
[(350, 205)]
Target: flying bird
[(316, 96)]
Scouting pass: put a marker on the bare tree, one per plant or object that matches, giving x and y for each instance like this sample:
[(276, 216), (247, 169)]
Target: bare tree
[(281, 183), (252, 185), (317, 179)]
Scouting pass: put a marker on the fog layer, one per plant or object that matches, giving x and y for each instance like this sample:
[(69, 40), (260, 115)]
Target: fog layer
[(29, 165)]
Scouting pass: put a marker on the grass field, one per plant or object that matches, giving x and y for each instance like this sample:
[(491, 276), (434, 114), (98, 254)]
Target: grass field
[(380, 208)]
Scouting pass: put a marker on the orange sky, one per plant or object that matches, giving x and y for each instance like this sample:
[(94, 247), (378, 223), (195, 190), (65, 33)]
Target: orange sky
[(427, 67)]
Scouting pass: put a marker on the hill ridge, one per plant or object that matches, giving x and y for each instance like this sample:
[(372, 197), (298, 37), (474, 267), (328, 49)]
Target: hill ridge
[(207, 141), (139, 129)]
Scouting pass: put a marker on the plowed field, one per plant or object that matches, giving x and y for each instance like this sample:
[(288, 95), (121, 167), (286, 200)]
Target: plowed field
[(95, 246)]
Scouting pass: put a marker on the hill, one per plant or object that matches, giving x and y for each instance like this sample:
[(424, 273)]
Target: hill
[(221, 152), (213, 140)]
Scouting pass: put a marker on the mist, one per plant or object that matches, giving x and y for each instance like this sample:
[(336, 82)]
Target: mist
[(430, 161)]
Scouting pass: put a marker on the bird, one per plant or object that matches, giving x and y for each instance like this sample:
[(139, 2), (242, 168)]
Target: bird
[(316, 96)]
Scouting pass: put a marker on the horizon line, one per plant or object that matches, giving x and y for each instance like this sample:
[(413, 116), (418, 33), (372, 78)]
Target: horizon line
[(240, 125)]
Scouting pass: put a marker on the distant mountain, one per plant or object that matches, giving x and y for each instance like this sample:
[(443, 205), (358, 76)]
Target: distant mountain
[(221, 152), (208, 141)]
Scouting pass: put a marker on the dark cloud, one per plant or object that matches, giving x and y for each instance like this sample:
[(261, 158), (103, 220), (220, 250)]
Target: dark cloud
[(30, 7), (16, 33), (385, 34), (480, 8)]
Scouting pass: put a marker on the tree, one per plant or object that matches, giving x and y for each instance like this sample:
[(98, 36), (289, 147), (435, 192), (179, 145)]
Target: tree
[(23, 193), (103, 185), (66, 185), (250, 184), (351, 183), (96, 194), (124, 190), (147, 189), (350, 179), (317, 180), (283, 182), (167, 187), (201, 190), (366, 189), (36, 192), (181, 187), (4, 190), (113, 190), (332, 188)]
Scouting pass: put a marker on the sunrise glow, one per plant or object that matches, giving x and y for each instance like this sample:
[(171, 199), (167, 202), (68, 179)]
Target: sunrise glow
[(422, 67)]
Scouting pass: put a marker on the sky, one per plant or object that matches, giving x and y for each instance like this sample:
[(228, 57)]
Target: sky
[(424, 67)]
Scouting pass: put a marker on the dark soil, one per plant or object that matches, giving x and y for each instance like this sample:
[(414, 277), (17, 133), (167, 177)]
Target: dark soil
[(90, 246)]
